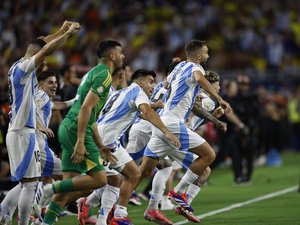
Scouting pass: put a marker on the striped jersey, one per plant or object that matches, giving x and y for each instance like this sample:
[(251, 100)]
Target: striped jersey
[(119, 112), (44, 108), (182, 91), (144, 125), (21, 87)]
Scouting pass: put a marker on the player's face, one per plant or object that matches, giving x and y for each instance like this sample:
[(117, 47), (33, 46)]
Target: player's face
[(216, 86), (203, 55), (147, 85), (118, 57), (49, 86)]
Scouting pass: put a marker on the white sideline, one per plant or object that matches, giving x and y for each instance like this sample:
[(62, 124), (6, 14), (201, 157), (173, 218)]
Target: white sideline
[(238, 205)]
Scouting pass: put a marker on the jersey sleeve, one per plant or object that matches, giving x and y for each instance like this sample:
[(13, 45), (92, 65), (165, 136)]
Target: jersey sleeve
[(28, 65), (198, 68), (141, 98), (41, 99), (101, 83)]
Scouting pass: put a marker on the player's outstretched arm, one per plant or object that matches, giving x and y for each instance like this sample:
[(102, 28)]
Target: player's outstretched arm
[(199, 111), (153, 118), (55, 43), (58, 105), (205, 85)]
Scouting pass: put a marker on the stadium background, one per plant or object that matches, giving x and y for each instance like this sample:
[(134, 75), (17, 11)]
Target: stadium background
[(257, 38)]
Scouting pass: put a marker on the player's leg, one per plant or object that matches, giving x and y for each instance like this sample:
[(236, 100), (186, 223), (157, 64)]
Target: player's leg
[(195, 188), (25, 167), (155, 149), (110, 195)]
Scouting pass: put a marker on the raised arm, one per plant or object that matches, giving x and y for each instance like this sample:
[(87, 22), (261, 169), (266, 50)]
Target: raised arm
[(60, 32), (54, 44)]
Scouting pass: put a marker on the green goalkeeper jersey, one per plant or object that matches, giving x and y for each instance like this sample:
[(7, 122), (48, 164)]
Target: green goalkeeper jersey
[(98, 80)]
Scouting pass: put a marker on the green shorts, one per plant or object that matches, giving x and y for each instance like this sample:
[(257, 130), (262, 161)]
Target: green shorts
[(67, 136)]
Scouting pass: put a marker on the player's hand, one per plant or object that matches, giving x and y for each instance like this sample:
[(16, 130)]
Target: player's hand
[(107, 155), (73, 28), (158, 104), (225, 105), (66, 25), (174, 139), (79, 152), (221, 125), (218, 112), (49, 133)]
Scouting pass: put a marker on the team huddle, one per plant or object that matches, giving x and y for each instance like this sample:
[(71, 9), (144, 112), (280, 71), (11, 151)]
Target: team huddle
[(96, 168)]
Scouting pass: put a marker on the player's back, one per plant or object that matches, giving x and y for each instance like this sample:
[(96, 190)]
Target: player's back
[(120, 111), (21, 86), (182, 91)]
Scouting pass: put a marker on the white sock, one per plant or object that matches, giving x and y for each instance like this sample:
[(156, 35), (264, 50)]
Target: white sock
[(25, 202), (192, 192), (109, 198), (188, 178), (159, 186), (121, 211), (94, 198), (10, 202)]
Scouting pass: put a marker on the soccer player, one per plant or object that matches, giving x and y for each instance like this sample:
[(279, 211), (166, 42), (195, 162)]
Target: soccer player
[(159, 182), (79, 136), (21, 137), (187, 78), (50, 163), (121, 110)]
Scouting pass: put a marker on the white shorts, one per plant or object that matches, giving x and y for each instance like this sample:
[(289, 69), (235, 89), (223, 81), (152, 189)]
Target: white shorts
[(50, 163), (137, 143), (122, 156), (24, 155), (160, 147)]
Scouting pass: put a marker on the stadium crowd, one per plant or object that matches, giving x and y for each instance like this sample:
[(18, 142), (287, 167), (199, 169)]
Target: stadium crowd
[(255, 49)]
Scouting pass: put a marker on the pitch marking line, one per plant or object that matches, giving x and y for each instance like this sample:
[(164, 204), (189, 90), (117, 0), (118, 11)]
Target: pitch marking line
[(238, 205)]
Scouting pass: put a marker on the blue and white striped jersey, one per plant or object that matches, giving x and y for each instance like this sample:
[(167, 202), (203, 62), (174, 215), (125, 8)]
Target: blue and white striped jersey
[(119, 112), (182, 91), (207, 104), (21, 83), (44, 108)]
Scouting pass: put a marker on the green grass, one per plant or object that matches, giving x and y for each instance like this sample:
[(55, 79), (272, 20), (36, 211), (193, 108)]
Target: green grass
[(222, 192)]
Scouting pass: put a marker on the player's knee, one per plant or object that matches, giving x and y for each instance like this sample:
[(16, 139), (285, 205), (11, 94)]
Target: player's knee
[(135, 177), (212, 156), (114, 180), (207, 171)]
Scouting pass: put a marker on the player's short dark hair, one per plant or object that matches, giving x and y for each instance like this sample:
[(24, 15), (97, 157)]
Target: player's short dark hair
[(38, 42), (103, 46), (141, 73), (193, 45), (211, 76), (45, 74)]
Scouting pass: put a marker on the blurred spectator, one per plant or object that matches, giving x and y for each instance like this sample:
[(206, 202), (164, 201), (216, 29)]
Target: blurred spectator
[(246, 106), (4, 166), (294, 118)]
